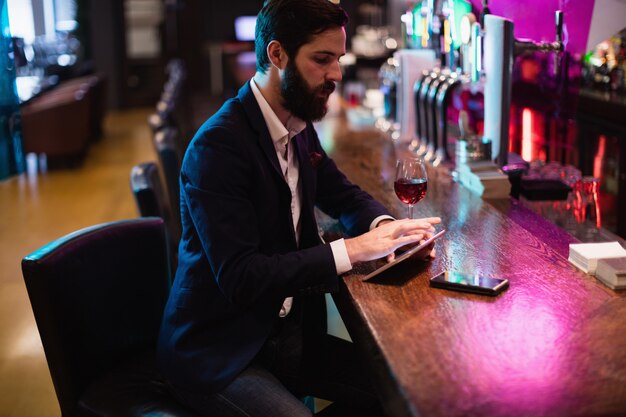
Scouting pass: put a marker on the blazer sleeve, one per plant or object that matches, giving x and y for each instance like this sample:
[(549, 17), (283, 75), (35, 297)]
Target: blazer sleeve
[(341, 199), (217, 190)]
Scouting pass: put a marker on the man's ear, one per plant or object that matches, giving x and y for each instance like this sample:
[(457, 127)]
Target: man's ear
[(277, 55)]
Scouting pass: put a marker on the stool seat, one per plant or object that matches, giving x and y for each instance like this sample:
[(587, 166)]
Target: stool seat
[(133, 389)]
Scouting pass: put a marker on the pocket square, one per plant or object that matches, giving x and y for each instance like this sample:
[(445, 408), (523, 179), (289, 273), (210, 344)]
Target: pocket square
[(315, 158)]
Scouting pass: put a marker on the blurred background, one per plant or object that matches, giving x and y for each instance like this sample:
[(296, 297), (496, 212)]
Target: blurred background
[(91, 90)]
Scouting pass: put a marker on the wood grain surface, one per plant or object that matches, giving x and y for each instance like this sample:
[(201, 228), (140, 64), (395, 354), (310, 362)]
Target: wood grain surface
[(553, 344)]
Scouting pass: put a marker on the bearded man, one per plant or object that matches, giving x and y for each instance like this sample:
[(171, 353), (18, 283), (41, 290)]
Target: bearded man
[(244, 329)]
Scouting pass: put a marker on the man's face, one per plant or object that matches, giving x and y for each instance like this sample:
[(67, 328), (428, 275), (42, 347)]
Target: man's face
[(309, 79)]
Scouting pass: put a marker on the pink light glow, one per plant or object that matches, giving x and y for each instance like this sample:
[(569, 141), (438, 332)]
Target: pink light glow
[(599, 158), (534, 19), (527, 132), (529, 346), (525, 368)]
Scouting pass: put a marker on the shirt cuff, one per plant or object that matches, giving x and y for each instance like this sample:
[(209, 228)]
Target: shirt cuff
[(340, 253), (378, 219)]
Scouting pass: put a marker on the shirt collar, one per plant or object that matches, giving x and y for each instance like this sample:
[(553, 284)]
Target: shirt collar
[(277, 130)]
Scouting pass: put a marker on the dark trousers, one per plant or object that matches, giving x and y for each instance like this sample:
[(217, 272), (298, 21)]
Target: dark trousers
[(285, 371)]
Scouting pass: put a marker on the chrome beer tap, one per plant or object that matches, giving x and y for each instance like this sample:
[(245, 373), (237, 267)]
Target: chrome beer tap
[(420, 131), (431, 113), (421, 96), (500, 48), (526, 45), (442, 102)]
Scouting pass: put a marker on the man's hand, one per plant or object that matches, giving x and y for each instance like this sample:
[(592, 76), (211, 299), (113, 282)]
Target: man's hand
[(425, 253), (389, 236)]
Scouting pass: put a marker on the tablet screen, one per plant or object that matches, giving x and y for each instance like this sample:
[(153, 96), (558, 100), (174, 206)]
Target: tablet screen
[(405, 255)]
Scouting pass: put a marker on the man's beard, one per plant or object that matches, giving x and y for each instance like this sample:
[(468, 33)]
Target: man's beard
[(299, 99)]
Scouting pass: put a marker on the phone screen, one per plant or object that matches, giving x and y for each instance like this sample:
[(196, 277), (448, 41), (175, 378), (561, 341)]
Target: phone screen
[(469, 282)]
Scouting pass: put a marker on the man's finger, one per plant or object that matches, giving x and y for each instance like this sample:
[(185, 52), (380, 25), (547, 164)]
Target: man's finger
[(409, 228)]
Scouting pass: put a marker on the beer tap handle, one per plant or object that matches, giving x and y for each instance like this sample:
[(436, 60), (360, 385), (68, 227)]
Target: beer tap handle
[(558, 44), (523, 45), (559, 26)]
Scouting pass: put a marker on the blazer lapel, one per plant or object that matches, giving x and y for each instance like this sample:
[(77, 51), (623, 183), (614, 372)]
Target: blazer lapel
[(309, 235), (270, 152), (252, 109), (306, 170)]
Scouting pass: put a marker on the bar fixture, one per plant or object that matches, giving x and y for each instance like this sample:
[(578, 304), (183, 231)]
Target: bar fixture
[(500, 48), (421, 90)]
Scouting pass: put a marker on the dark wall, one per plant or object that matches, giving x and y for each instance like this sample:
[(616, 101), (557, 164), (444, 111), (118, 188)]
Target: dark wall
[(192, 24), (210, 22), (220, 17), (108, 47)]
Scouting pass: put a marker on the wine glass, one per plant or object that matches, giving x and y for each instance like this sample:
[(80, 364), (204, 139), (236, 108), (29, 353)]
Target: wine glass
[(411, 182)]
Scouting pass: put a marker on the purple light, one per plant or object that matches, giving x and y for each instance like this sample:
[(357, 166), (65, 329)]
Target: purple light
[(534, 19)]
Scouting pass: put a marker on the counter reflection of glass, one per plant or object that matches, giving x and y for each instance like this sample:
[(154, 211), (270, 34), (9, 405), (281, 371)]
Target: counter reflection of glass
[(411, 182)]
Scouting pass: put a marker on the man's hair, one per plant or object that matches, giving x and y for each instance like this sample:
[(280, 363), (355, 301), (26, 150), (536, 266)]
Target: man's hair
[(293, 23)]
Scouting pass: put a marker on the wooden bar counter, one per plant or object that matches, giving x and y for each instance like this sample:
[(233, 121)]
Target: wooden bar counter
[(553, 344)]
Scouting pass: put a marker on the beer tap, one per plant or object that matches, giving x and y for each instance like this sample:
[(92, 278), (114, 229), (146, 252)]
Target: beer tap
[(420, 127), (443, 100), (421, 96), (500, 48), (431, 114), (526, 45)]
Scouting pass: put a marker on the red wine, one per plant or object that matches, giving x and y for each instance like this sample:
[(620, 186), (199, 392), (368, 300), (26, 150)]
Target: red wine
[(410, 191)]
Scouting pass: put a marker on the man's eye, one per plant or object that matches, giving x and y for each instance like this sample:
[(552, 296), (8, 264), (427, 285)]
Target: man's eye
[(322, 60)]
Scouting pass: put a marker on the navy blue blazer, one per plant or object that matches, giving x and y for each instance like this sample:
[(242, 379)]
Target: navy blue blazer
[(238, 257)]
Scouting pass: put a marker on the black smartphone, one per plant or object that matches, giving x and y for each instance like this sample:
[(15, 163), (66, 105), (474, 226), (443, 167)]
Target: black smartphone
[(473, 283)]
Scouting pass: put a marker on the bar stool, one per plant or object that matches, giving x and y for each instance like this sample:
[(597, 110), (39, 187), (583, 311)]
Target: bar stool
[(98, 295)]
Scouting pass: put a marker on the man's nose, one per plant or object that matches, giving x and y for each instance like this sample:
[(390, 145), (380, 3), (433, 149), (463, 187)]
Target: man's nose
[(335, 73)]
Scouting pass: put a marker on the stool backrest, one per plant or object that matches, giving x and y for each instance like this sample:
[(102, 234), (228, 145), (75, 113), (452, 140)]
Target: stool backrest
[(152, 200), (98, 295), (167, 149)]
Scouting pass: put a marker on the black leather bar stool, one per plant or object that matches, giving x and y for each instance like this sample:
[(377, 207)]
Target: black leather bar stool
[(98, 295)]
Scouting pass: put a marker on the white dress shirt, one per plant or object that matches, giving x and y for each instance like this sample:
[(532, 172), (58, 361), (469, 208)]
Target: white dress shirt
[(281, 136)]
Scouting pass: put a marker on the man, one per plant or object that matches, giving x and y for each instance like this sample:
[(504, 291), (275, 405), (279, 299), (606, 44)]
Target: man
[(244, 331)]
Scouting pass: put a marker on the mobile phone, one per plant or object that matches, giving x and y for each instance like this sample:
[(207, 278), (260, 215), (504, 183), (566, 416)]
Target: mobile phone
[(473, 283)]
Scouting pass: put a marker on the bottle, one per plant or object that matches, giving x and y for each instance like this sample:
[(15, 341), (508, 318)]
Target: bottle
[(447, 10), (407, 26), (421, 26), (417, 22), (618, 74)]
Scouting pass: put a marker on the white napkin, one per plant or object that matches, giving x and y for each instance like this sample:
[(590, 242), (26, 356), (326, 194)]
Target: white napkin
[(585, 255)]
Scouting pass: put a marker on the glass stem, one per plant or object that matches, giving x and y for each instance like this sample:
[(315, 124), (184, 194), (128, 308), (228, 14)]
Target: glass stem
[(410, 211)]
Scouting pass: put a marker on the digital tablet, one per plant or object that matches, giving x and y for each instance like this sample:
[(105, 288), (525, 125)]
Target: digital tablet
[(405, 255)]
